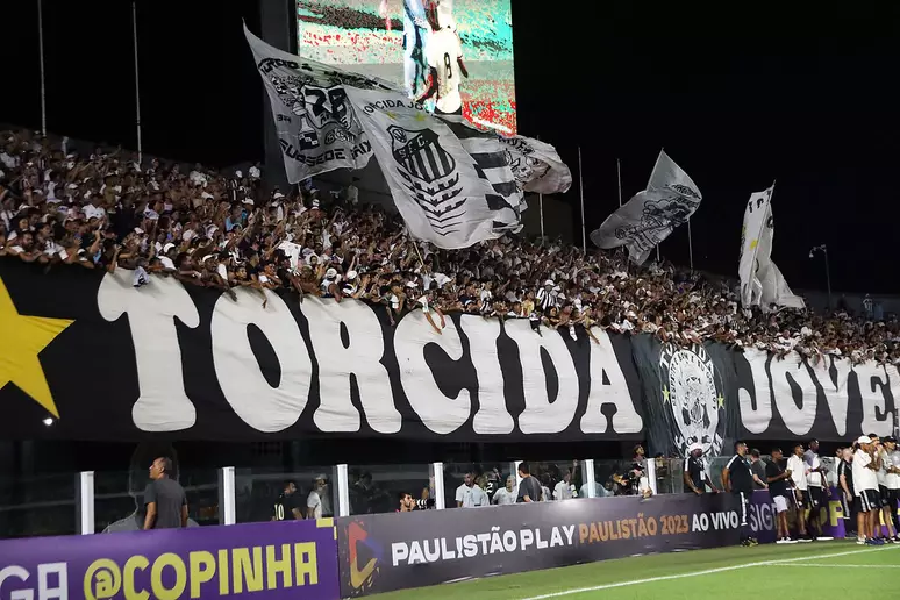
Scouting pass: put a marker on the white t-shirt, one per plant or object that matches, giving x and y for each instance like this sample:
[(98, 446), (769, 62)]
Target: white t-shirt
[(863, 477), (471, 496), (881, 474), (892, 480), (502, 497), (563, 491), (315, 502), (813, 462), (444, 50), (797, 466)]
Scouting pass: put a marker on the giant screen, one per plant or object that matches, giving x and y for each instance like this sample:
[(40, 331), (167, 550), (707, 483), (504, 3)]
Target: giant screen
[(390, 39)]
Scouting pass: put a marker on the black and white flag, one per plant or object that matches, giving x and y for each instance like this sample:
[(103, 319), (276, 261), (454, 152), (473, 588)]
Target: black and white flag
[(650, 216), (762, 283), (443, 194), (537, 166), (317, 128)]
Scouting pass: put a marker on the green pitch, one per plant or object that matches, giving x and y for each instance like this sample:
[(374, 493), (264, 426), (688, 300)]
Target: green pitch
[(823, 570)]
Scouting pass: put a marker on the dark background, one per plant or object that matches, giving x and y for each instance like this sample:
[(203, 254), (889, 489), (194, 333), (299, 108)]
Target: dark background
[(738, 95)]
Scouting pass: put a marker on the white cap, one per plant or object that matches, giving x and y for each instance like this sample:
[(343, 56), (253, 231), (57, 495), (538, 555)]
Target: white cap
[(168, 247), (330, 274), (696, 446), (863, 439), (278, 195), (351, 275)]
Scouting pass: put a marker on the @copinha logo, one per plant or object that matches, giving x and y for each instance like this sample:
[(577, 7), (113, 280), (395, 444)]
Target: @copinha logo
[(365, 555)]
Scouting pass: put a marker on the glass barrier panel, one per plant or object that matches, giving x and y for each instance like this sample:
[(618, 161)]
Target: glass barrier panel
[(38, 505), (377, 488), (604, 483), (622, 477), (461, 479), (119, 506), (274, 495), (560, 479)]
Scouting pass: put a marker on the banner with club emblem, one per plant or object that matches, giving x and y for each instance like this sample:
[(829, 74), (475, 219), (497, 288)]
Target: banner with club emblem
[(433, 179)]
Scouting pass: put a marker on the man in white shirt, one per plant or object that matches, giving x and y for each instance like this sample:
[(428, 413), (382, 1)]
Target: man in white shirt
[(445, 64), (506, 495), (797, 466), (865, 484), (315, 499), (469, 495), (563, 489), (883, 461), (892, 484)]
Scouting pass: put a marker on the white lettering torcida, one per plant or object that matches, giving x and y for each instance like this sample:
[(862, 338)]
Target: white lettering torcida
[(362, 358), (604, 362), (152, 309), (540, 414), (260, 405), (439, 413), (492, 417)]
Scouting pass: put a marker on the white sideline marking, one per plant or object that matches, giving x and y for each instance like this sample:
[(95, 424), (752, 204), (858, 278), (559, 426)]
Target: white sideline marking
[(842, 565), (631, 582)]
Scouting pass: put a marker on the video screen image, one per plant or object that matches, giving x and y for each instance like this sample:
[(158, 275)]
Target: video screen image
[(406, 41)]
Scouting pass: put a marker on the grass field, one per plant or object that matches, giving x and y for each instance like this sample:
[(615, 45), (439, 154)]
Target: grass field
[(824, 571)]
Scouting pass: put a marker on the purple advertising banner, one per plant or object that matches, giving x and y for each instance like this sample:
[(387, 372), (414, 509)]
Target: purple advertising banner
[(762, 517), (266, 560)]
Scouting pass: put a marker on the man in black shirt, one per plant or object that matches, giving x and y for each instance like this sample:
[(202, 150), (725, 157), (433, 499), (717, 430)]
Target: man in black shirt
[(696, 477), (737, 479), (777, 477), (845, 485), (164, 498), (529, 488), (287, 507)]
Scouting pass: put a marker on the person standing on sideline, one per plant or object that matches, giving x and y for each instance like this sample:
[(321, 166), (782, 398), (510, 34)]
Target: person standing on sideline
[(287, 507), (892, 483), (776, 477), (164, 498), (845, 485), (758, 468), (696, 475), (865, 483), (797, 466), (469, 495), (817, 489), (738, 480)]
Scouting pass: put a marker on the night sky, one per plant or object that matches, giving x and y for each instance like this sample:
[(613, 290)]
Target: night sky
[(737, 94)]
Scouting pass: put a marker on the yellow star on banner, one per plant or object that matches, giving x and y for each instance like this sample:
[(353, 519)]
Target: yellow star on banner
[(666, 393), (721, 401), (754, 244), (24, 337), (391, 115), (420, 117)]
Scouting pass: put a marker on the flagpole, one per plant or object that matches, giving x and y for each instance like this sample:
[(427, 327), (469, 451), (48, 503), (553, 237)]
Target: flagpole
[(40, 9), (541, 206), (137, 87), (581, 190), (619, 177), (690, 244)]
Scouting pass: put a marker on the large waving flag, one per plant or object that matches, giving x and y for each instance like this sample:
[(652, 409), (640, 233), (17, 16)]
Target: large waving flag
[(650, 216)]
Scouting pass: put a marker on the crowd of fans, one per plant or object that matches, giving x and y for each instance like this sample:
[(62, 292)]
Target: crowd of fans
[(207, 228)]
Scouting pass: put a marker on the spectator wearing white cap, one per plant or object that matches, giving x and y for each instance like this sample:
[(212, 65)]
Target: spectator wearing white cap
[(865, 484)]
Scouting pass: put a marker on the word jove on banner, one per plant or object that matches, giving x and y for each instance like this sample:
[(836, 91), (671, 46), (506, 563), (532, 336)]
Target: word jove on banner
[(196, 364), (384, 552), (270, 560)]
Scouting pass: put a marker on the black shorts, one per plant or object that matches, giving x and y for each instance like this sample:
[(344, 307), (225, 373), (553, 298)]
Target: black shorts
[(817, 497), (889, 498), (802, 499), (868, 501)]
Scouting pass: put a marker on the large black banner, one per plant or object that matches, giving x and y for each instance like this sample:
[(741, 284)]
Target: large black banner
[(380, 553), (117, 362), (113, 362)]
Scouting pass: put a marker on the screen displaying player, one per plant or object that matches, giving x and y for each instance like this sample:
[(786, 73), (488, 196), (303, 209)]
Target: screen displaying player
[(455, 54)]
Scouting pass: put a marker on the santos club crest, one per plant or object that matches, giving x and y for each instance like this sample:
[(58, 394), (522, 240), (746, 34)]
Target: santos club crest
[(431, 176), (693, 390)]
